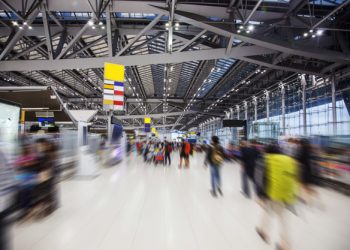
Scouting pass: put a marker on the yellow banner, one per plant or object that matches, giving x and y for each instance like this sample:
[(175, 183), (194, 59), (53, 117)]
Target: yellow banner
[(114, 72), (147, 120)]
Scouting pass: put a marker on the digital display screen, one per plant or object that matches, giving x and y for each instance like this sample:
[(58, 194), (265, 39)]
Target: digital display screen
[(46, 121), (233, 123)]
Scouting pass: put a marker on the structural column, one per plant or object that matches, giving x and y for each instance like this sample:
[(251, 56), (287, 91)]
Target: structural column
[(267, 105), (237, 107), (283, 109), (246, 110), (303, 84), (255, 102), (334, 107)]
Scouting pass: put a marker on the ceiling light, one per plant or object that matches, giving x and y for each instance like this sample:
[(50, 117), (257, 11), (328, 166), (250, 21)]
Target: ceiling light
[(20, 27), (238, 31), (241, 27), (91, 22), (25, 23), (15, 23), (93, 27), (176, 28), (247, 31), (30, 27), (306, 34), (167, 25), (100, 23), (177, 24), (313, 36), (311, 31), (319, 32), (250, 27), (103, 27)]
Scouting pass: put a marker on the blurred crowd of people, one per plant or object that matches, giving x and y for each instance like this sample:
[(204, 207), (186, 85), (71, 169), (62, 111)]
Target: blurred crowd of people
[(28, 184), (280, 175), (160, 152)]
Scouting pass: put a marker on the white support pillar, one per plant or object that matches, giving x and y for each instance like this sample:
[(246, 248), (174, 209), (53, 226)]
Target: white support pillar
[(231, 113), (255, 102), (267, 94), (237, 107), (246, 110), (283, 91), (334, 106), (303, 84)]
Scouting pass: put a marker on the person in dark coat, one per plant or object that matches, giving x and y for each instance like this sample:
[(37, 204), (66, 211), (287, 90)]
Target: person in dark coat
[(304, 158), (248, 156)]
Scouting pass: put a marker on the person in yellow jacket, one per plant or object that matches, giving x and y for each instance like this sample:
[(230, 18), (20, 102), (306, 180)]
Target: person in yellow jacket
[(281, 187)]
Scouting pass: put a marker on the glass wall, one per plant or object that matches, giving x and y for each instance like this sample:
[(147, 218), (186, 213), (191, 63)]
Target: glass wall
[(318, 104)]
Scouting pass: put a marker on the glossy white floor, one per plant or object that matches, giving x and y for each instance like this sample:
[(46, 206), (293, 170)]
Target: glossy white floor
[(136, 206)]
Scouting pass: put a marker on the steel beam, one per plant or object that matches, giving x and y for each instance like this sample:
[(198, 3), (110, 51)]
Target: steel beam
[(148, 27), (88, 46), (11, 8), (225, 29), (124, 117), (189, 42), (133, 60), (34, 47), (109, 30), (73, 41), (19, 34), (47, 32), (252, 12), (330, 14)]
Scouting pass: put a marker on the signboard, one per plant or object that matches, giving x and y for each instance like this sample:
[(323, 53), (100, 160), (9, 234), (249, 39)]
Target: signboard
[(233, 123), (113, 88)]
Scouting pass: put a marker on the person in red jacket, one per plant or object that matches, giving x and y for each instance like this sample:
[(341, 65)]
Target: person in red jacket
[(185, 153)]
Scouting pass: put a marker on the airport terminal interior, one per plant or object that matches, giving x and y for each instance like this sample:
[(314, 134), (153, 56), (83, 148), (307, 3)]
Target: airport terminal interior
[(174, 124)]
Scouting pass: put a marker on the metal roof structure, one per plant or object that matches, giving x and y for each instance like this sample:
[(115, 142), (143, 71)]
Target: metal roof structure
[(180, 55)]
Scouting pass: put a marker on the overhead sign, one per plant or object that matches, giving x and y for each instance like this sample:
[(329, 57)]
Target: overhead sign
[(234, 123), (113, 88), (147, 121)]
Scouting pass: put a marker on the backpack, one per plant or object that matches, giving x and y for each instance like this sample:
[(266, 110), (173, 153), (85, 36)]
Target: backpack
[(217, 157)]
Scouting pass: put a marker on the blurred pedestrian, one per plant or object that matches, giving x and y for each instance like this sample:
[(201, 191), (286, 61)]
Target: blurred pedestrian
[(215, 158), (7, 200), (248, 156), (304, 157), (281, 173), (167, 152), (185, 151)]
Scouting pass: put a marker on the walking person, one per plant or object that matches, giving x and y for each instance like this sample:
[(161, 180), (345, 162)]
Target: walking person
[(248, 156), (215, 159), (281, 172), (304, 158), (185, 150), (7, 201), (167, 151)]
